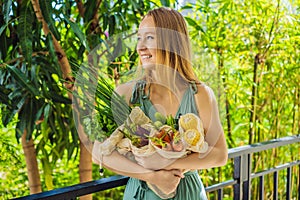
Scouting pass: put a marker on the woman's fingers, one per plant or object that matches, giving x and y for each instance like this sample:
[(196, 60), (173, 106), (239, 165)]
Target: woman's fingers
[(178, 173)]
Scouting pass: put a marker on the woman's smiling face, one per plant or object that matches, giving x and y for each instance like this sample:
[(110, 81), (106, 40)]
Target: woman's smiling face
[(147, 43)]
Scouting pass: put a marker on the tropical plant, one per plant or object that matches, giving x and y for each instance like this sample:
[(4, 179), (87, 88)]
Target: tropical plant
[(245, 50), (42, 43), (251, 45)]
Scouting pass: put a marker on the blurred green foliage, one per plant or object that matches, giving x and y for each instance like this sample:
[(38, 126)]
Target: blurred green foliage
[(247, 51)]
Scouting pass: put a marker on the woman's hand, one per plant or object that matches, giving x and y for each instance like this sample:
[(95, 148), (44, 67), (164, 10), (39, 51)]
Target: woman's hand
[(166, 180), (154, 161)]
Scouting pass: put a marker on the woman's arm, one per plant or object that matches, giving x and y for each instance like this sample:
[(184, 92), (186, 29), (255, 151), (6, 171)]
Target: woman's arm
[(166, 180), (217, 153), (216, 156), (118, 163)]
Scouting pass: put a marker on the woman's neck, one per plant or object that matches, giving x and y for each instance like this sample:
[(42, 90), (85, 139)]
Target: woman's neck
[(164, 99)]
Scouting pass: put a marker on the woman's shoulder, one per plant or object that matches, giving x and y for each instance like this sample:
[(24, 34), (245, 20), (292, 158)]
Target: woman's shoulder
[(203, 88), (125, 89), (206, 102)]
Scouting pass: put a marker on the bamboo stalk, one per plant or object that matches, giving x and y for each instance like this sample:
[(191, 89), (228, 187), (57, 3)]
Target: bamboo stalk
[(253, 99), (298, 105), (294, 126), (227, 104)]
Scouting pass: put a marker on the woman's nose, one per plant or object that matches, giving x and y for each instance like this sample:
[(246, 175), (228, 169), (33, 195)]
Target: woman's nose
[(141, 45)]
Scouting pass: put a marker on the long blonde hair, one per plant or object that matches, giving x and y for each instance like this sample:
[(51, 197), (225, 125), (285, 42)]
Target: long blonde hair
[(174, 48)]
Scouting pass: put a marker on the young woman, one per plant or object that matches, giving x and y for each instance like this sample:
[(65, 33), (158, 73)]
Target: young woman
[(169, 85)]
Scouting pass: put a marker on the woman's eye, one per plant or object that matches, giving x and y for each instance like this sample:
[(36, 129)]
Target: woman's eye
[(138, 38), (150, 37)]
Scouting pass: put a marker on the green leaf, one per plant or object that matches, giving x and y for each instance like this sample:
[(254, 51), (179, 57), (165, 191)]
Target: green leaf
[(59, 99), (47, 171), (105, 21), (111, 24), (25, 31), (49, 43), (29, 115), (188, 6), (47, 111), (135, 5), (89, 10), (34, 72), (39, 113), (165, 3), (71, 149), (6, 10), (22, 80), (17, 104), (3, 96), (194, 24), (21, 125), (77, 32), (47, 11)]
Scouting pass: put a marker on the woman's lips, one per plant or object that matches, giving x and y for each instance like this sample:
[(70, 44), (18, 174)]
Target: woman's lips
[(146, 56)]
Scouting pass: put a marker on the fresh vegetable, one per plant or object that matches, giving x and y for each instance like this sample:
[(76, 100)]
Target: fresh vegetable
[(160, 117), (158, 124), (167, 138), (189, 121), (192, 136), (177, 146)]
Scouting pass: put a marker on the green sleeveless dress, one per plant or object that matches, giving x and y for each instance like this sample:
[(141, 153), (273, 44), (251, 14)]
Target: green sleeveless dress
[(190, 187)]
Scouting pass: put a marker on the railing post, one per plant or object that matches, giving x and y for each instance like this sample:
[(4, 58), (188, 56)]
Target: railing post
[(241, 174), (237, 188), (247, 176), (288, 183)]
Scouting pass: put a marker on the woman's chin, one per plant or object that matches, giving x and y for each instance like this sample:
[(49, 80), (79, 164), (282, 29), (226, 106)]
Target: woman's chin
[(148, 66)]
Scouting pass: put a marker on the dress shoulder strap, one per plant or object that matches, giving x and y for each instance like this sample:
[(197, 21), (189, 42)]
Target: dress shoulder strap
[(188, 102), (138, 92), (140, 98)]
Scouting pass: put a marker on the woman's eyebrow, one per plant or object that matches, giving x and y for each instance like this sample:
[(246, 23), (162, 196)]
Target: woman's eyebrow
[(147, 32)]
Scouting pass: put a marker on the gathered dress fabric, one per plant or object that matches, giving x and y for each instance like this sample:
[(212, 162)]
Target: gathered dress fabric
[(190, 187)]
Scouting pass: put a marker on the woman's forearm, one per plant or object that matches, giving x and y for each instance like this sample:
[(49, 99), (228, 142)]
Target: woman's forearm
[(123, 166), (166, 180), (215, 158)]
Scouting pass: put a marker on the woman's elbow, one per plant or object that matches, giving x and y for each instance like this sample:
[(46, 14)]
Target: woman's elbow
[(222, 158)]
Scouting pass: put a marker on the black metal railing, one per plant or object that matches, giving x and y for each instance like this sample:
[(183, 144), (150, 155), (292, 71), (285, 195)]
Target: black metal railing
[(241, 182)]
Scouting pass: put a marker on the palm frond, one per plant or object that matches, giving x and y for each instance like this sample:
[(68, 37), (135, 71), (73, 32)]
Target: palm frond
[(101, 109), (47, 11), (25, 31)]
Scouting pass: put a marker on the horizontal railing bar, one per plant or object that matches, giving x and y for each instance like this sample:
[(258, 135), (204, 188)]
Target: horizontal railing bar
[(275, 169), (220, 185), (71, 192), (247, 149)]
